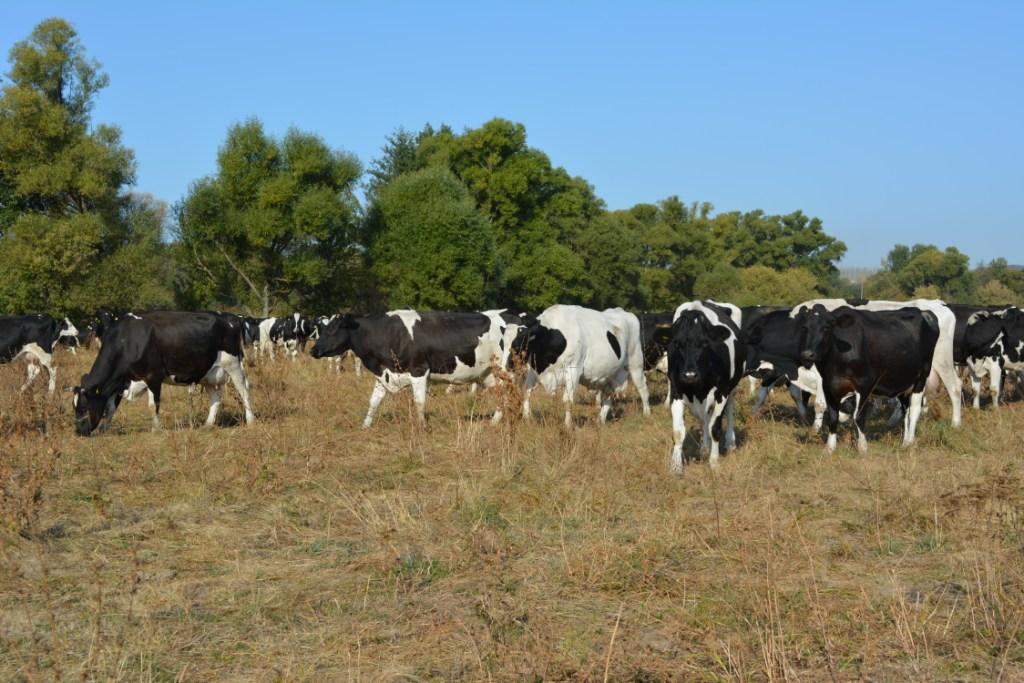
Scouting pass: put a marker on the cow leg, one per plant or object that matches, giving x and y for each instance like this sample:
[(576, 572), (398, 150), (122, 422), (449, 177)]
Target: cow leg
[(798, 399), (379, 391), (32, 371), (713, 429), (569, 393), (598, 398), (820, 408), (752, 384), (912, 415), (730, 422), (947, 373), (899, 413), (154, 389), (640, 382), (860, 420), (606, 405), (419, 395), (975, 387), (759, 399), (678, 435), (832, 422), (995, 382), (235, 368), (528, 383), (215, 395), (357, 365)]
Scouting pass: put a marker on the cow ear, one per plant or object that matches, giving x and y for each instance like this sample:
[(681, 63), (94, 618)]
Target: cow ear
[(845, 321), (756, 335), (720, 333), (663, 334)]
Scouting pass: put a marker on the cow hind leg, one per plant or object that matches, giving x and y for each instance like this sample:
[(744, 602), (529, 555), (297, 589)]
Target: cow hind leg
[(32, 371), (994, 383), (636, 375), (730, 422), (379, 391), (235, 369), (860, 420), (798, 401), (569, 395), (759, 399)]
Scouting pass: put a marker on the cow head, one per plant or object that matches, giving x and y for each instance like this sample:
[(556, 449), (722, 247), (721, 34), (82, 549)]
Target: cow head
[(540, 346), (336, 338), (91, 406), (692, 338), (815, 328)]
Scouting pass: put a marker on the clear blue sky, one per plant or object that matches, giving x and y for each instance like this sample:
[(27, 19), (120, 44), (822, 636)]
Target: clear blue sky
[(893, 122)]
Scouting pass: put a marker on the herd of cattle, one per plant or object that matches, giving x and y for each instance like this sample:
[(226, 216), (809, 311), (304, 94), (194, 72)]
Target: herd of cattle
[(834, 354)]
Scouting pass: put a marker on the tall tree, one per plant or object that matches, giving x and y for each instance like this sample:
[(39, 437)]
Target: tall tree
[(277, 227), (434, 250), (64, 209)]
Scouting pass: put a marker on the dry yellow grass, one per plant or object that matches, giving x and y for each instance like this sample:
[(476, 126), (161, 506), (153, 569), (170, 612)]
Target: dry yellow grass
[(304, 548)]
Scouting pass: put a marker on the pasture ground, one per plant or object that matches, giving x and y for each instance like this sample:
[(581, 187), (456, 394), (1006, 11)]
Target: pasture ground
[(306, 549)]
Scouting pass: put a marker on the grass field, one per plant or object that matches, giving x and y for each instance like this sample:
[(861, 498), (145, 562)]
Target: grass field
[(304, 548)]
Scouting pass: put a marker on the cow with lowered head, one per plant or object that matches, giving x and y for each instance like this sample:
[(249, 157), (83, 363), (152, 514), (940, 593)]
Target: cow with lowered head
[(407, 348), (985, 336), (163, 346), (859, 353), (706, 360)]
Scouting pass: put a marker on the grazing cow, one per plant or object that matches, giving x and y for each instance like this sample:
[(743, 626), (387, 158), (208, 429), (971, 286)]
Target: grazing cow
[(291, 333), (164, 346), (943, 365), (32, 337), (706, 360), (571, 345), (773, 356), (406, 348), (983, 334), (859, 353)]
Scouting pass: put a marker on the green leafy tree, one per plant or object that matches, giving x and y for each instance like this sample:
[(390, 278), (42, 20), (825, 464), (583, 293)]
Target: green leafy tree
[(64, 212), (611, 256), (434, 249), (277, 227)]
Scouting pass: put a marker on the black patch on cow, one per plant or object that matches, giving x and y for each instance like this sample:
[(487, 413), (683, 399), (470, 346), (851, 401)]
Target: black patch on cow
[(615, 345)]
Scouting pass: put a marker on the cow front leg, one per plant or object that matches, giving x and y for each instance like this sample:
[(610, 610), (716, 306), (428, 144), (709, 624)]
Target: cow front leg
[(51, 377), (678, 435), (606, 405), (419, 396), (832, 423), (713, 430), (528, 383), (730, 423), (759, 398), (860, 420), (215, 398), (798, 401), (154, 389), (910, 421), (820, 408), (639, 379), (376, 397)]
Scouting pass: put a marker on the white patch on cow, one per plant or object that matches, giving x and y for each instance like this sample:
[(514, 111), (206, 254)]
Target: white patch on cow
[(408, 317), (132, 315), (36, 358)]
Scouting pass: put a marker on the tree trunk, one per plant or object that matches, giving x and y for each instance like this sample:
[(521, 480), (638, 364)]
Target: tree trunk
[(266, 300)]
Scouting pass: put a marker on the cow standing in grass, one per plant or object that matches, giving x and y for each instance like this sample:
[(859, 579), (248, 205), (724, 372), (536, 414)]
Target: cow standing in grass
[(706, 360), (407, 348), (164, 346), (32, 337), (859, 353), (569, 346)]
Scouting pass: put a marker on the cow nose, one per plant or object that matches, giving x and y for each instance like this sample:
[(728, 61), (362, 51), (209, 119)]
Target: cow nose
[(690, 374)]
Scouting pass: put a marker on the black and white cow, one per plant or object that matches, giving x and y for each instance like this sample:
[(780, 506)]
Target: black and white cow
[(860, 352), (290, 332), (773, 356), (164, 346), (943, 364), (655, 353), (566, 346), (32, 337), (983, 335), (69, 336), (706, 360), (406, 348)]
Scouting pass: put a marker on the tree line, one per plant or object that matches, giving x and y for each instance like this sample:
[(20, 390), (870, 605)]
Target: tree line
[(440, 220)]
